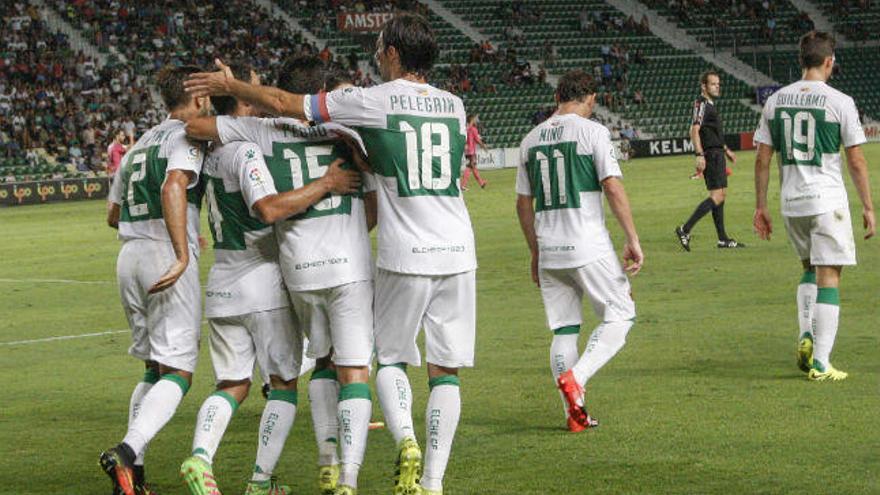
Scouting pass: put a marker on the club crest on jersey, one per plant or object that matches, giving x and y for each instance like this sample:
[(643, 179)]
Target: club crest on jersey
[(193, 154)]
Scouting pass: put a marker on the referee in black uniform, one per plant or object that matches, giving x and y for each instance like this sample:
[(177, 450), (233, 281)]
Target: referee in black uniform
[(708, 140)]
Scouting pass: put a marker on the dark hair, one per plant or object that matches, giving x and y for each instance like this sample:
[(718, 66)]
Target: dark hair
[(414, 40), (575, 85), (302, 75), (169, 80), (225, 105), (334, 76), (815, 47), (704, 77)]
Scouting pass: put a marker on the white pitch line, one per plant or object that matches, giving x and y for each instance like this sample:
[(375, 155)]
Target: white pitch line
[(63, 337), (53, 281)]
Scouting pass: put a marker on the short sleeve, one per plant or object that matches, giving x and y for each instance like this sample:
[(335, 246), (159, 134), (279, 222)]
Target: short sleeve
[(232, 129), (253, 175), (183, 154), (344, 106), (763, 134), (370, 184), (699, 112), (851, 131), (523, 184), (115, 194), (603, 155)]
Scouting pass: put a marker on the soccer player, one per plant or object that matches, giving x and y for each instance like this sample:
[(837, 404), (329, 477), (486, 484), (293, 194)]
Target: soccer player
[(415, 136), (154, 201), (246, 301), (470, 153), (708, 139), (807, 122), (325, 260), (566, 164)]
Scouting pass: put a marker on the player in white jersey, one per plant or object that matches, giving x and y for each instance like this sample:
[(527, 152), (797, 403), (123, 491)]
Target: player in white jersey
[(807, 122), (566, 164), (415, 136), (325, 260), (246, 301), (158, 271)]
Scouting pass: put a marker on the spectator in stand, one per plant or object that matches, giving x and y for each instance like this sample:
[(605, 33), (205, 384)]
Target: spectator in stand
[(115, 152), (470, 153), (638, 98)]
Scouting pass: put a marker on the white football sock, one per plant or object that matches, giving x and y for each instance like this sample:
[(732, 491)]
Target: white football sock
[(323, 398), (134, 406), (563, 355), (395, 397), (211, 423), (157, 407), (355, 408), (441, 418), (806, 303), (827, 317), (278, 416), (607, 339)]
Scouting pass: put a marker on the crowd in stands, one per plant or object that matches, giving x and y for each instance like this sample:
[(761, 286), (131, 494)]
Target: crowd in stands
[(57, 102), (762, 14), (846, 16)]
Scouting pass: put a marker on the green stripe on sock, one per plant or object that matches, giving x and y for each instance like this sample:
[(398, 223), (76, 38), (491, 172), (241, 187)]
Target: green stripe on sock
[(324, 374), (809, 278), (569, 330), (200, 452), (444, 380), (396, 365), (230, 399), (828, 295), (179, 380), (284, 395), (354, 391), (151, 376)]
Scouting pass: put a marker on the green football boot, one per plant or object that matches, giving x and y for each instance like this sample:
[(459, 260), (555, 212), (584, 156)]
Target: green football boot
[(328, 476), (805, 353), (268, 487), (408, 468), (198, 477)]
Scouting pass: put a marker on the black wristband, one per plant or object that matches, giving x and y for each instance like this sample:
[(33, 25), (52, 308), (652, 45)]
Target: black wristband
[(698, 154)]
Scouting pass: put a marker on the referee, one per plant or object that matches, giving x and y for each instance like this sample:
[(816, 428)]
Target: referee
[(710, 149)]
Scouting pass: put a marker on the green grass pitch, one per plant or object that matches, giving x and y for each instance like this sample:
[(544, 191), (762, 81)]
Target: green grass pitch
[(705, 397)]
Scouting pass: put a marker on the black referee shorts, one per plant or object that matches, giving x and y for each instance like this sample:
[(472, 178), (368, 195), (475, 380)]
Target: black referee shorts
[(715, 174)]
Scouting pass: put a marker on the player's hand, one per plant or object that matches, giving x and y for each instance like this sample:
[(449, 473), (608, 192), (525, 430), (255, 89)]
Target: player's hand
[(210, 83), (341, 181), (357, 155), (170, 276), (730, 155), (763, 225), (535, 277), (869, 223), (633, 258), (701, 164)]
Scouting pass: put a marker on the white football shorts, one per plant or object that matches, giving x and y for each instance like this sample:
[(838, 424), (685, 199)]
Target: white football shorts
[(602, 281), (825, 239), (165, 327), (267, 337), (444, 305), (338, 318)]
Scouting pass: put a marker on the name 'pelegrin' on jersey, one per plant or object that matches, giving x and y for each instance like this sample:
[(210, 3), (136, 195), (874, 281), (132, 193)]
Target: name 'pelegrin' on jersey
[(137, 185), (245, 277), (327, 245), (563, 162), (415, 137), (807, 122)]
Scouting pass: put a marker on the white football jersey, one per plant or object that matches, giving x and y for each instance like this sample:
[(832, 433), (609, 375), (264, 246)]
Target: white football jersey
[(327, 245), (137, 185), (806, 122), (245, 277), (415, 136), (563, 162)]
